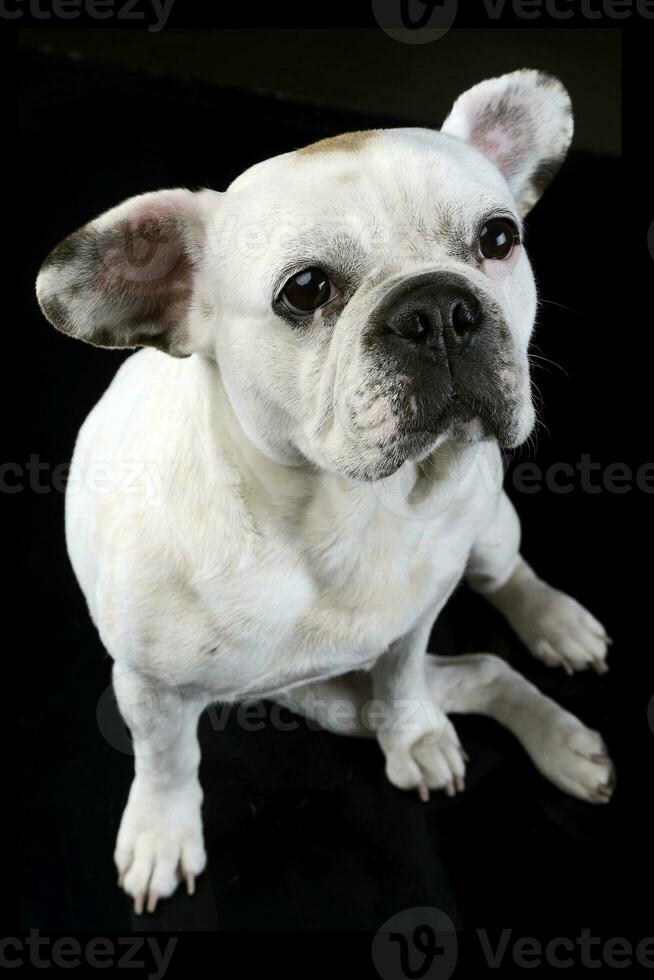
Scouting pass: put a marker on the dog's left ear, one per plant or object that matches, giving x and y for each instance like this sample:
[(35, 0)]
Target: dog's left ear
[(522, 122), (131, 277)]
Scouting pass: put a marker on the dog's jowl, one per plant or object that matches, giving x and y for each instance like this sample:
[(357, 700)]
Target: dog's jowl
[(335, 351)]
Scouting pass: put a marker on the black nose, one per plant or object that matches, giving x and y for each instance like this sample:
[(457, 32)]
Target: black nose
[(433, 310)]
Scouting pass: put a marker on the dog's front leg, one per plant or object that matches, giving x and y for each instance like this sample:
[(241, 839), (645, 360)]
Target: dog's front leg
[(160, 838), (422, 748), (552, 625)]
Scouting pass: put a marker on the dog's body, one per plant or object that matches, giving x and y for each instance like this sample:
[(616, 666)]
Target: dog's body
[(265, 576), (321, 472)]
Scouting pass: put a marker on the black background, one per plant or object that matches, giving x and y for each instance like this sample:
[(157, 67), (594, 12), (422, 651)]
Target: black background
[(303, 832)]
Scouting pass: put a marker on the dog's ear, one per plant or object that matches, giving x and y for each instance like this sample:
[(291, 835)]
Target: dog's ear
[(522, 122), (129, 278)]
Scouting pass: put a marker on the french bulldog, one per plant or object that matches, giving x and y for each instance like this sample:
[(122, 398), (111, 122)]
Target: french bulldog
[(335, 354)]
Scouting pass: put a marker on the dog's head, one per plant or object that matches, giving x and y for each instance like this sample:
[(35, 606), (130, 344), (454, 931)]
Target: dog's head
[(365, 297)]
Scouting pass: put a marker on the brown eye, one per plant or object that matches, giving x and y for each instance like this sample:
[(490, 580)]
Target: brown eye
[(498, 238), (307, 291)]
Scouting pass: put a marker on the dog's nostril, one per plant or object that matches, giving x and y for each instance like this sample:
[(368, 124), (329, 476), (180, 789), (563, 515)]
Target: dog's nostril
[(413, 325), (464, 317)]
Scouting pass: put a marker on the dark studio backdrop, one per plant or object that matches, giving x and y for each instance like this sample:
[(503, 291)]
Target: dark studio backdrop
[(304, 834)]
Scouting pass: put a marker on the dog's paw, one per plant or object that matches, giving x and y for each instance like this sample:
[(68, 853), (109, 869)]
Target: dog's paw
[(436, 761), (160, 842), (561, 633), (576, 760)]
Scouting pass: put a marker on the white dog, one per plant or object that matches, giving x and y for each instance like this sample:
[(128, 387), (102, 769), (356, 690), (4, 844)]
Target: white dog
[(349, 326)]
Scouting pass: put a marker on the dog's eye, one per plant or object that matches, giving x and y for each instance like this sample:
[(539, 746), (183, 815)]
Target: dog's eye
[(306, 291), (498, 238)]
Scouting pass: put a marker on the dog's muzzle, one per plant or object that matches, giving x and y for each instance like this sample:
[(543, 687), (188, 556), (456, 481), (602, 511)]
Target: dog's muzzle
[(441, 348)]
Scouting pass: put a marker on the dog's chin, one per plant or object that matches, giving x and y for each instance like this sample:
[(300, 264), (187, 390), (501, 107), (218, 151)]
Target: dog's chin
[(413, 446), (461, 428)]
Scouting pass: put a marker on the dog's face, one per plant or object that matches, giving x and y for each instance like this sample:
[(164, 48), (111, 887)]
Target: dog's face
[(390, 305), (365, 297)]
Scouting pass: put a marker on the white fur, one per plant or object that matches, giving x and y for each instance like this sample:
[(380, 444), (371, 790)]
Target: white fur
[(254, 564)]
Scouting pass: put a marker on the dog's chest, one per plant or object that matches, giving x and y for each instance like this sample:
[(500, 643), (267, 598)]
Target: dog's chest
[(314, 606), (373, 588)]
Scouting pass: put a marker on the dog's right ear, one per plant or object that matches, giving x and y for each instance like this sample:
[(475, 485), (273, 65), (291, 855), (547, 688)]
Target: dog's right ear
[(129, 278), (522, 122)]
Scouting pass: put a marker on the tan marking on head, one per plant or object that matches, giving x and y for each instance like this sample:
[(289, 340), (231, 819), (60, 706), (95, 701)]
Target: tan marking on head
[(350, 142)]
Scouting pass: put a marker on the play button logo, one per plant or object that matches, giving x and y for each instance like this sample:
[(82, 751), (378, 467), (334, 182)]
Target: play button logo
[(415, 21), (416, 944)]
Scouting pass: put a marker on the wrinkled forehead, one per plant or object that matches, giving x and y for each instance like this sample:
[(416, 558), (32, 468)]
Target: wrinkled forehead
[(348, 195)]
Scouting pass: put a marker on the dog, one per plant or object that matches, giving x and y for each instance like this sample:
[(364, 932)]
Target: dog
[(335, 352)]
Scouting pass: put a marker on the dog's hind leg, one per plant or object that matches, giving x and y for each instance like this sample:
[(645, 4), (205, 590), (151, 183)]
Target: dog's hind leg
[(564, 750), (338, 704), (393, 703)]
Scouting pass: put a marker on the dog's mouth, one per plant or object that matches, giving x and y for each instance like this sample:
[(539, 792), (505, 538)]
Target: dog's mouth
[(458, 418), (461, 414)]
